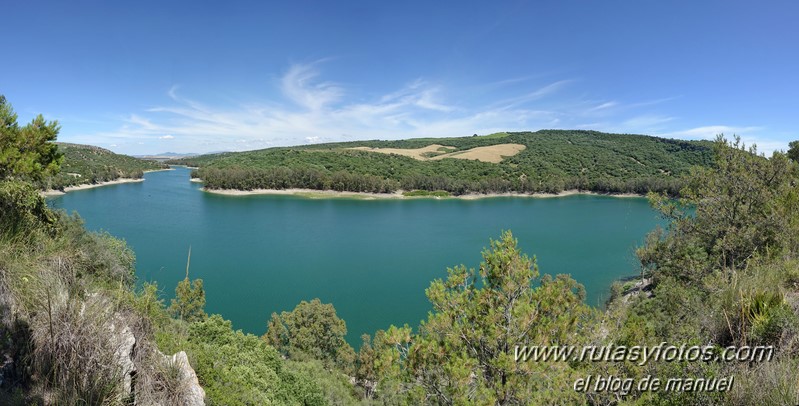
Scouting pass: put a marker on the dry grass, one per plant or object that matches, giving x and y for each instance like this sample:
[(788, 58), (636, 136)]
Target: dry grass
[(70, 333), (75, 356), (68, 344), (159, 380), (768, 383), (492, 153), (422, 154)]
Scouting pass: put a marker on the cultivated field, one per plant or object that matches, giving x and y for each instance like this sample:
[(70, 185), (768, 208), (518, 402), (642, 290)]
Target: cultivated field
[(491, 153)]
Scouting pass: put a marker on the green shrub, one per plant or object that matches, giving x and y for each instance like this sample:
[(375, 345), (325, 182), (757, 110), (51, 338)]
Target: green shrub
[(23, 210), (434, 193), (241, 369)]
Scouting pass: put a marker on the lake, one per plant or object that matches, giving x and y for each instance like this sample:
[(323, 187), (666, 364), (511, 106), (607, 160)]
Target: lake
[(373, 259)]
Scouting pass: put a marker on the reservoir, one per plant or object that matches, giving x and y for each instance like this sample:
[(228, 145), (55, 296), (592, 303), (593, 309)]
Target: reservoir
[(372, 259)]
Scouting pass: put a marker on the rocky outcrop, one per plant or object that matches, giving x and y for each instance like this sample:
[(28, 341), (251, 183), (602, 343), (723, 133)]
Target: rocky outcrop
[(184, 388), (125, 344), (193, 393), (180, 387), (641, 286), (88, 340)]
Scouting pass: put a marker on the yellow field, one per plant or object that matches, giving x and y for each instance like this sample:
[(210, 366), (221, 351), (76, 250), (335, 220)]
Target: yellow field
[(493, 153)]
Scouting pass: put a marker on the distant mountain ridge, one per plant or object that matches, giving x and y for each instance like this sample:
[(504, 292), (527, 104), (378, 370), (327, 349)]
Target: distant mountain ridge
[(167, 155), (173, 155)]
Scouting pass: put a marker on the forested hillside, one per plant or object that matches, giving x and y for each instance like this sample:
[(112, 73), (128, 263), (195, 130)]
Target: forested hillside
[(86, 164), (549, 161)]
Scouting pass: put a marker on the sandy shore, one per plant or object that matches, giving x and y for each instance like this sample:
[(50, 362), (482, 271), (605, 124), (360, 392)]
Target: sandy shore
[(159, 170), (312, 193), (321, 194), (89, 186)]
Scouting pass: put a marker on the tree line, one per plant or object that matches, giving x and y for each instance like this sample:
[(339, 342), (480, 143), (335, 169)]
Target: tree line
[(311, 178)]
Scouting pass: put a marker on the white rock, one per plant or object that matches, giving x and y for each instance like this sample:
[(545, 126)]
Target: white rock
[(194, 394)]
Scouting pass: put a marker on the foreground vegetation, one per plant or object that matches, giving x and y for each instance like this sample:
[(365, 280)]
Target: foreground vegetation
[(553, 161), (724, 272), (76, 330)]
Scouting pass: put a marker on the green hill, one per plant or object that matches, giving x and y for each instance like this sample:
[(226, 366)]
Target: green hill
[(549, 161), (86, 164)]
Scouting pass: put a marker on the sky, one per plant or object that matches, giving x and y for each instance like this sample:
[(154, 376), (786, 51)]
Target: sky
[(201, 76)]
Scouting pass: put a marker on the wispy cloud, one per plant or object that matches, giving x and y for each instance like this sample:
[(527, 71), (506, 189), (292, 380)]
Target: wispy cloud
[(532, 96), (711, 131), (604, 106), (647, 122), (615, 107), (313, 110), (752, 135), (299, 85)]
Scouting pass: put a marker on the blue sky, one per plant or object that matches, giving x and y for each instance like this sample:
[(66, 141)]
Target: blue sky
[(148, 77)]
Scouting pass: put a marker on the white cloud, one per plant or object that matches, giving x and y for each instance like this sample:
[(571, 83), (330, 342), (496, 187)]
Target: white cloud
[(711, 131), (312, 110), (537, 94), (427, 100), (298, 85), (751, 135), (604, 106)]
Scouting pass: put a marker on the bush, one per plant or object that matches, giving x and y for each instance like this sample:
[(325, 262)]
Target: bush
[(241, 369), (23, 210)]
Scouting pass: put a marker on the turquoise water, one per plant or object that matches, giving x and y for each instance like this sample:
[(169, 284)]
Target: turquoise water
[(372, 259)]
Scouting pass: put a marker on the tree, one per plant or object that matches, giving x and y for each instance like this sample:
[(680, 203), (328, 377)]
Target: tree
[(23, 209), (312, 328), (723, 271), (380, 371), (793, 150), (27, 152), (189, 301), (726, 215), (465, 351)]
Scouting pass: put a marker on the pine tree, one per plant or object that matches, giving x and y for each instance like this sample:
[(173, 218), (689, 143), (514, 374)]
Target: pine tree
[(27, 153), (189, 301)]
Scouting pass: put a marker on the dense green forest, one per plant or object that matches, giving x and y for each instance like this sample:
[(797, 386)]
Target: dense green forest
[(553, 161), (86, 164), (725, 272)]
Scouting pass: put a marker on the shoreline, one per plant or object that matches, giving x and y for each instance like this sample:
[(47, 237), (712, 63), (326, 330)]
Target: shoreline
[(52, 192), (183, 166), (328, 194)]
